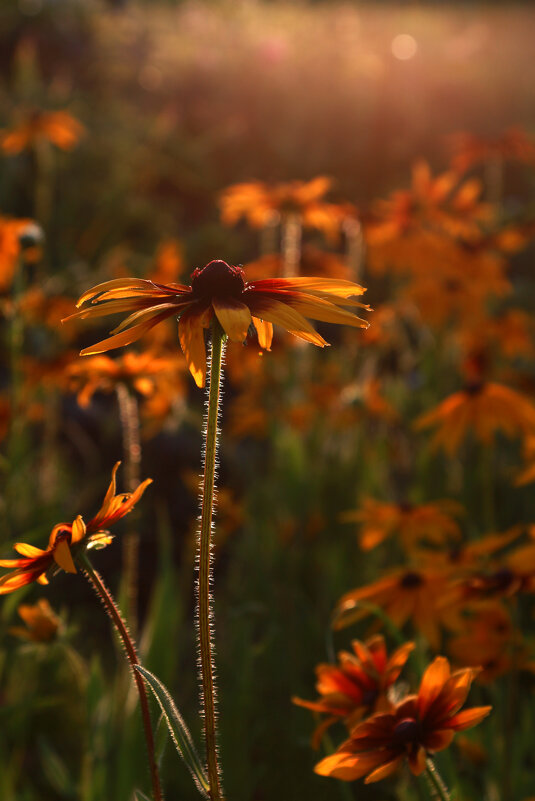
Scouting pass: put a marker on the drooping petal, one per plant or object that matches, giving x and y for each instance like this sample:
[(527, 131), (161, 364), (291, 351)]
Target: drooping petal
[(279, 313), (191, 336), (235, 317), (264, 332), (63, 557), (28, 550), (384, 770), (468, 718), (116, 283), (127, 337)]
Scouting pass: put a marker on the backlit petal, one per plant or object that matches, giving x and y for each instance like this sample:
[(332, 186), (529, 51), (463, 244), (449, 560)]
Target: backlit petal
[(235, 317), (191, 336), (63, 557)]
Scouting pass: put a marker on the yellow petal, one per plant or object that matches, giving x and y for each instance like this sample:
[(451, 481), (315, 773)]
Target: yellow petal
[(62, 556), (264, 331), (235, 318), (191, 336)]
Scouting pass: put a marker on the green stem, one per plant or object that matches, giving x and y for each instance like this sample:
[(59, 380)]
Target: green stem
[(438, 788), (205, 628), (131, 653)]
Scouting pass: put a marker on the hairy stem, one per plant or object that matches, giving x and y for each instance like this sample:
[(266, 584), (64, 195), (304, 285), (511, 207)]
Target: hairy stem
[(131, 653), (438, 788), (204, 562)]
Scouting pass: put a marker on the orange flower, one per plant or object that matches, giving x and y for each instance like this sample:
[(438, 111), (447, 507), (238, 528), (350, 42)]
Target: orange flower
[(140, 371), (261, 204), (58, 127), (483, 408), (358, 685), (406, 594), (418, 726), (514, 143), (42, 623), (65, 539), (222, 290), (434, 522), (485, 642), (11, 232)]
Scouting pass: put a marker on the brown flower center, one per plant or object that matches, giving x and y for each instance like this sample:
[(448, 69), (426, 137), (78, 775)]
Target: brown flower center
[(217, 279), (411, 580), (407, 731)]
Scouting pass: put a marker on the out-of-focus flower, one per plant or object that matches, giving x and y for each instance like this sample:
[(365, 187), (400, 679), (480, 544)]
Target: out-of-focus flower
[(168, 263), (470, 149), (11, 232), (42, 623), (140, 372), (58, 127), (510, 334), (312, 261), (221, 290), (358, 685), (261, 204), (433, 522), (482, 409), (66, 538), (485, 641), (418, 726), (405, 594), (39, 308)]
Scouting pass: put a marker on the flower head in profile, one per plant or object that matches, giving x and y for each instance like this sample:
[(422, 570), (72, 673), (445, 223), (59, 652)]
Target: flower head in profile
[(221, 291), (358, 685), (419, 726), (66, 538)]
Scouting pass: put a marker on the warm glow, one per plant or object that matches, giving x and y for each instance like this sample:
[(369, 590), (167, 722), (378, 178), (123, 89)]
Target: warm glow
[(404, 46)]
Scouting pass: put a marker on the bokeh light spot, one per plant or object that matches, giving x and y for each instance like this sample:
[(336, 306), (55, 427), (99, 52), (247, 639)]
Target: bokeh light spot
[(404, 46)]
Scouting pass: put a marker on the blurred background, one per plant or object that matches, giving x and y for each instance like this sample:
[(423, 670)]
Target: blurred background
[(123, 125)]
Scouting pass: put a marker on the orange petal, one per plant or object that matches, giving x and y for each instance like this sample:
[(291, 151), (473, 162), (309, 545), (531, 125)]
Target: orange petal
[(281, 314), (78, 530), (63, 557), (433, 681), (235, 318), (385, 770), (468, 718), (264, 331), (191, 336), (28, 550), (126, 337)]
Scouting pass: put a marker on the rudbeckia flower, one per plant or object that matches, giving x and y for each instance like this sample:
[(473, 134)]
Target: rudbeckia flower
[(42, 623), (419, 726), (358, 684), (434, 522), (221, 290), (65, 539), (483, 408), (58, 127)]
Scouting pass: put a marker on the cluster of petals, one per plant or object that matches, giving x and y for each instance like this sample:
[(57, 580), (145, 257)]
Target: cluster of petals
[(416, 728), (58, 127), (66, 538), (220, 290), (358, 685)]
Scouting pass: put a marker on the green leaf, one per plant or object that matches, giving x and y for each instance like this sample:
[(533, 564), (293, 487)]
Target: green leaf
[(178, 730)]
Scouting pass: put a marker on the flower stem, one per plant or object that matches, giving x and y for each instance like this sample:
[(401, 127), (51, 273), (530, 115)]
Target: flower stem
[(438, 788), (129, 416), (205, 628), (131, 653)]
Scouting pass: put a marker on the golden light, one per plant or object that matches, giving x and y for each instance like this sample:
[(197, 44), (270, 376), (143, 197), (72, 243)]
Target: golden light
[(404, 46)]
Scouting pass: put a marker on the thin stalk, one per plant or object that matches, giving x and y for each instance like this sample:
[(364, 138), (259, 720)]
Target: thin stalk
[(205, 626), (131, 653), (129, 417), (291, 245), (438, 788)]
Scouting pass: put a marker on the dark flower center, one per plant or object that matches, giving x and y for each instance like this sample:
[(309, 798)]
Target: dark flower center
[(217, 279), (411, 580), (474, 387), (369, 697), (407, 731)]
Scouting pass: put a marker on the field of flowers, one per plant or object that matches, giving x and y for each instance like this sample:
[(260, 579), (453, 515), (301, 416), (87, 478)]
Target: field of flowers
[(267, 401)]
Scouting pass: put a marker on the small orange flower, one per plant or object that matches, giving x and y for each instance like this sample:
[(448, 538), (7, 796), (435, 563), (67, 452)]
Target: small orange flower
[(358, 685), (58, 127), (261, 204), (221, 290), (65, 539), (486, 642), (482, 408), (434, 522), (418, 726), (42, 623), (405, 594), (11, 232)]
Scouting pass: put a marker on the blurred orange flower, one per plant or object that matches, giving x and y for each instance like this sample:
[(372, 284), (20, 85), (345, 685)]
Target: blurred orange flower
[(418, 726), (42, 623), (221, 290), (11, 231), (358, 685), (405, 594), (58, 127), (482, 408), (65, 539), (485, 642), (433, 522), (470, 149), (261, 204)]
